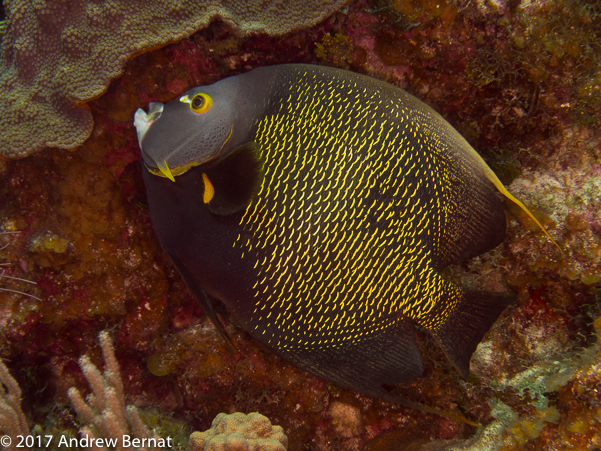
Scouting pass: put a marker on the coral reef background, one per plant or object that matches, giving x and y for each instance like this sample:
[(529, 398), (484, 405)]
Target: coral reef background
[(520, 80)]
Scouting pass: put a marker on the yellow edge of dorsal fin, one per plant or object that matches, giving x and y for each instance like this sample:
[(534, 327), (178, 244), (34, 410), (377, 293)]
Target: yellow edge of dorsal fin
[(490, 175)]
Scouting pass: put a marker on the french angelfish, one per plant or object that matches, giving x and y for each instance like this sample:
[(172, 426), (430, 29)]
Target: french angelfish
[(320, 206)]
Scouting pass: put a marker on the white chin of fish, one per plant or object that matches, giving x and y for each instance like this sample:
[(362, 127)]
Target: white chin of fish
[(143, 121)]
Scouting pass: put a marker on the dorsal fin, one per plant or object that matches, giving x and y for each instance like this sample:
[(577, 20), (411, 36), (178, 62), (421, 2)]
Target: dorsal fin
[(490, 175)]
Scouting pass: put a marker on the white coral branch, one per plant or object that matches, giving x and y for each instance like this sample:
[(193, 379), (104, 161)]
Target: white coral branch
[(104, 414), (12, 418)]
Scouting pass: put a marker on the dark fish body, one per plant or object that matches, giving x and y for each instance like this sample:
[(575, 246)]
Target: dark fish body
[(337, 200)]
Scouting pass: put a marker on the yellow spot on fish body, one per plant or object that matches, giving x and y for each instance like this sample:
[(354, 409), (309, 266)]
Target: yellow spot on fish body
[(209, 191)]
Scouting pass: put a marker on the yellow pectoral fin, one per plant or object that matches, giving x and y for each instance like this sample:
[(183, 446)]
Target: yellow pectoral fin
[(209, 189)]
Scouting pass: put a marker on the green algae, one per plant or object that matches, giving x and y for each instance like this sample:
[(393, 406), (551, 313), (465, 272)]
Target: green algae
[(336, 51), (541, 40), (534, 386)]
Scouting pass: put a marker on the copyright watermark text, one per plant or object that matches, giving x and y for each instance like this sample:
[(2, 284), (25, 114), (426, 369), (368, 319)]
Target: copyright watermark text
[(44, 441)]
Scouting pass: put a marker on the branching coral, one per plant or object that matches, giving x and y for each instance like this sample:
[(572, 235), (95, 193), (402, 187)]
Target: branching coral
[(12, 419), (104, 414), (57, 55)]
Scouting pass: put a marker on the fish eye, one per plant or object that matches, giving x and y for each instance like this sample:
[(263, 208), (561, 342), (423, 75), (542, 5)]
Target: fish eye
[(201, 103)]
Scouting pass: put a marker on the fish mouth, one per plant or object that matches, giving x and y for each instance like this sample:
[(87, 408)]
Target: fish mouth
[(163, 170), (143, 121)]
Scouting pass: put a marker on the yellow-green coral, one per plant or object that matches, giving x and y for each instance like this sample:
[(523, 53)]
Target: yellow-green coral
[(50, 242), (240, 432), (335, 50)]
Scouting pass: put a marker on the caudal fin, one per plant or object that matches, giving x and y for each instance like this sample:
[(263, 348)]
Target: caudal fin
[(465, 326)]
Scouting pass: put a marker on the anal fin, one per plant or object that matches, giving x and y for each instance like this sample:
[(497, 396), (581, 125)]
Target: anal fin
[(388, 357), (464, 327), (385, 357)]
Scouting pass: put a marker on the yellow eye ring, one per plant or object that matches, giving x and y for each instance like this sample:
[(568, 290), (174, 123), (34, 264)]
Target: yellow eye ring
[(201, 103)]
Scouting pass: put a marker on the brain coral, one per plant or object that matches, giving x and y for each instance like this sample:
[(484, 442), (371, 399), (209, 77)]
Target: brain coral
[(56, 55), (240, 432)]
